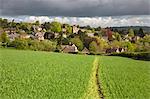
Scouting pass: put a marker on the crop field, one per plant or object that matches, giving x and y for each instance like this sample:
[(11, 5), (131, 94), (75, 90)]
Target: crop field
[(123, 78), (40, 75), (46, 75)]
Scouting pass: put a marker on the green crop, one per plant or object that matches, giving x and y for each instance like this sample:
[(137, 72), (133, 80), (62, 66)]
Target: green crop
[(46, 75), (124, 78), (40, 75)]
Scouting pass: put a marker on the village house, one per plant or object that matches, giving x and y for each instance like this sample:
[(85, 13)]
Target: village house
[(134, 39), (24, 36), (69, 48), (128, 38), (83, 30), (115, 50), (37, 28), (85, 51), (64, 29), (10, 30), (112, 50), (56, 35), (13, 36), (90, 34), (39, 36), (32, 36), (121, 50), (75, 29)]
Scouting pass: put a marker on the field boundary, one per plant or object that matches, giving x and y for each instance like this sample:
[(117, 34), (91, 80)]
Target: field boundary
[(94, 89)]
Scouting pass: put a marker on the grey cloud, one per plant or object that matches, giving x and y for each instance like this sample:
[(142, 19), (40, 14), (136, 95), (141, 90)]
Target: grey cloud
[(75, 7)]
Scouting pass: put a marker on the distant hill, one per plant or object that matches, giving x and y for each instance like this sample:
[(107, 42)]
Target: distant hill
[(146, 29)]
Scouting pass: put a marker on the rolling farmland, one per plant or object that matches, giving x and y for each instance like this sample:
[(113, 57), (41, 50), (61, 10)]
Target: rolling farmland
[(28, 74), (31, 74), (124, 78)]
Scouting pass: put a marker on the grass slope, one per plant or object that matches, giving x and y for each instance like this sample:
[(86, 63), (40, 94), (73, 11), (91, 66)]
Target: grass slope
[(123, 78), (40, 75)]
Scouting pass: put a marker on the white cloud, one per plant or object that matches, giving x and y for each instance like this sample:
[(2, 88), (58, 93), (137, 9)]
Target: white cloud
[(41, 19), (143, 20)]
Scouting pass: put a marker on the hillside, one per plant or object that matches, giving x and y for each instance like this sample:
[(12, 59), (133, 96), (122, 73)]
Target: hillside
[(28, 74), (146, 29), (33, 74)]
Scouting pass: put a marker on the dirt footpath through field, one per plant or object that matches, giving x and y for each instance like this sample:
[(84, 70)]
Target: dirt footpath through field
[(94, 90)]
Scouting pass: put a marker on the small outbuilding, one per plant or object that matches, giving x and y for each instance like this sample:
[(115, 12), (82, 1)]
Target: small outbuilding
[(115, 50), (85, 51), (69, 49)]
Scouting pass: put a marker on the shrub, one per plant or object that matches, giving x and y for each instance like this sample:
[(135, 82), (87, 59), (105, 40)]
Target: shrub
[(65, 41), (130, 46), (19, 43), (48, 45), (134, 55), (45, 45), (93, 47), (36, 45), (4, 40)]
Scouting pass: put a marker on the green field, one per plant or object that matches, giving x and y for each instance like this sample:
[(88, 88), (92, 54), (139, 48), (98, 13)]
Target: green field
[(28, 74), (124, 78), (41, 75)]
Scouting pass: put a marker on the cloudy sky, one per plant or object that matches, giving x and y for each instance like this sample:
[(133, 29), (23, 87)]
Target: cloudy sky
[(82, 12), (75, 7)]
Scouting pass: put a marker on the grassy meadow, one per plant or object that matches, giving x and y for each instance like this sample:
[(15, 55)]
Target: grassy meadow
[(43, 75)]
